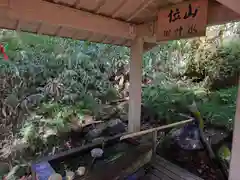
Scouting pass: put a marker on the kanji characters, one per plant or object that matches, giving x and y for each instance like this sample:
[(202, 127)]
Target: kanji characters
[(190, 12), (173, 16), (179, 30)]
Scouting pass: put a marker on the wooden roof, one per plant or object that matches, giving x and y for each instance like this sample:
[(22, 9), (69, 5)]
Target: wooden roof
[(106, 21)]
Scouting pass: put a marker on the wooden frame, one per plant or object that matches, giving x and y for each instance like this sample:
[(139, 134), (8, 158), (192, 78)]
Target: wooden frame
[(231, 4), (141, 37), (134, 114), (235, 156), (51, 14)]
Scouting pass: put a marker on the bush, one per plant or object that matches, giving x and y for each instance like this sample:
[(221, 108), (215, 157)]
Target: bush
[(218, 66)]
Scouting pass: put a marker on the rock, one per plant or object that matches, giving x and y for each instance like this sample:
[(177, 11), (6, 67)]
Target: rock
[(55, 176), (96, 152), (114, 122), (19, 145), (116, 126), (98, 140), (4, 168), (124, 117), (48, 132), (81, 171), (17, 171), (96, 132), (112, 127), (70, 175)]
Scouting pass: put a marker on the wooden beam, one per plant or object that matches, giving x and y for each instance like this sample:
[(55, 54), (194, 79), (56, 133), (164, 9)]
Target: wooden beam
[(18, 26), (235, 156), (42, 11), (39, 28), (4, 3), (231, 4), (58, 31), (118, 9), (220, 14), (140, 9), (135, 89), (77, 2), (100, 4), (148, 46)]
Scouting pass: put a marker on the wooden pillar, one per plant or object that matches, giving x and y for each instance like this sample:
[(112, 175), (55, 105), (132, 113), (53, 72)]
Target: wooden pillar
[(235, 157), (135, 88)]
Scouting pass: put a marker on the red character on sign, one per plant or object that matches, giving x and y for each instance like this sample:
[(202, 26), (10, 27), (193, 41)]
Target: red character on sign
[(3, 52)]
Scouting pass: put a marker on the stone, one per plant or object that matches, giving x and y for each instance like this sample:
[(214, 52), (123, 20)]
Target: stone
[(55, 176), (81, 171), (4, 168), (114, 122), (70, 175), (96, 152), (116, 126), (98, 140), (19, 145), (96, 132)]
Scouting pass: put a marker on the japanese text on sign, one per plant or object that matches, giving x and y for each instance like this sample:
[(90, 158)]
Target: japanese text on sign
[(182, 21)]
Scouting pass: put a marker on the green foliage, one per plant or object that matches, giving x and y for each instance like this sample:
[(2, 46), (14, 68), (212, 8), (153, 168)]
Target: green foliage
[(169, 102), (215, 107), (50, 83), (219, 66), (221, 106)]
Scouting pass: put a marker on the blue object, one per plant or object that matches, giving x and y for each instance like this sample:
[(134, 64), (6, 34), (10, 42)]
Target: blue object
[(132, 177), (43, 170), (188, 137)]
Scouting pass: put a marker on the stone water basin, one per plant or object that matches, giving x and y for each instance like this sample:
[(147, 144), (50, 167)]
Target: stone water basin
[(119, 160)]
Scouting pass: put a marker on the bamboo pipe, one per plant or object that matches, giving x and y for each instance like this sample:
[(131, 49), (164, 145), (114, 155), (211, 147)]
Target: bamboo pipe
[(140, 133)]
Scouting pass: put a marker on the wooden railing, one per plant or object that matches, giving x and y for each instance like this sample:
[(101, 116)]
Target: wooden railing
[(154, 132)]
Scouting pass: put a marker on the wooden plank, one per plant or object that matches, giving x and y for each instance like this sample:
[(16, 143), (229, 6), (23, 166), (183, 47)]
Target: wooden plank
[(174, 172), (167, 170), (54, 14), (231, 4), (150, 177), (171, 167), (175, 169), (216, 15), (135, 89), (183, 20), (3, 3), (153, 177), (161, 175), (167, 173), (235, 156)]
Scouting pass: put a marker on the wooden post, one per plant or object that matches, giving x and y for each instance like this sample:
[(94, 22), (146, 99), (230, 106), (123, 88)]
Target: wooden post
[(154, 143), (135, 88), (235, 156)]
